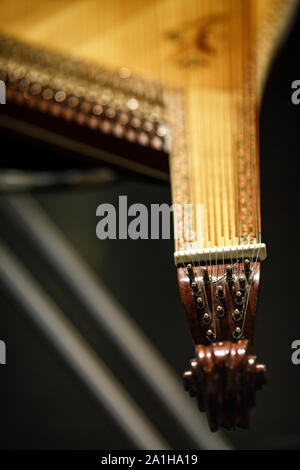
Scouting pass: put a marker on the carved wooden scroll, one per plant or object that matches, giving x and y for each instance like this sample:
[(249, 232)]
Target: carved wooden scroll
[(220, 303)]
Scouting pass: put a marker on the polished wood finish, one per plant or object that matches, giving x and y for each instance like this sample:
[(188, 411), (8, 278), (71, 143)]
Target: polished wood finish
[(220, 304), (224, 377), (225, 325)]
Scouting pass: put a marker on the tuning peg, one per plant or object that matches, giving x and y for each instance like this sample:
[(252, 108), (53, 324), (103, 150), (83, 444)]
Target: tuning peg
[(239, 299), (247, 267), (237, 333), (220, 293), (229, 274), (237, 315), (210, 335), (220, 312), (195, 288), (206, 319), (242, 283), (191, 272), (200, 303), (206, 277)]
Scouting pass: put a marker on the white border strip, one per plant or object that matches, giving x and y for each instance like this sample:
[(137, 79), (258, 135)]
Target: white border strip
[(254, 250)]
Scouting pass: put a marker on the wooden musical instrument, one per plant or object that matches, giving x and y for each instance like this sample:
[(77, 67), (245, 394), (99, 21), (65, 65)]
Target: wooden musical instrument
[(158, 79)]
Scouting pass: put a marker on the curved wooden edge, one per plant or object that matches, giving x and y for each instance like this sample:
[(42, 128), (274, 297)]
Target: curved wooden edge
[(220, 304)]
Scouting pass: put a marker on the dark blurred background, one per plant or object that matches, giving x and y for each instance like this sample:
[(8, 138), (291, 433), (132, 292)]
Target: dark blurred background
[(45, 406)]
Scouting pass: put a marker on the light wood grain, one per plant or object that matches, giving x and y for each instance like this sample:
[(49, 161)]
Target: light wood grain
[(210, 50)]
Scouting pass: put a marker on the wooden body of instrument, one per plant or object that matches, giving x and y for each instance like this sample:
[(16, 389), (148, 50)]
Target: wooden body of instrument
[(159, 78)]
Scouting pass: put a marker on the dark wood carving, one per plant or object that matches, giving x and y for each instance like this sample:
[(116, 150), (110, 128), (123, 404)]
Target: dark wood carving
[(220, 303)]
